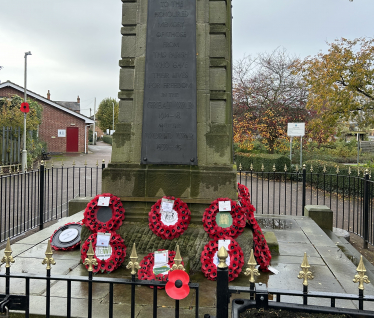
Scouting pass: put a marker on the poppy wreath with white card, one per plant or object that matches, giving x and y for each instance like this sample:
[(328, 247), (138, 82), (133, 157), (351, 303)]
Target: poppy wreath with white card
[(234, 261), (233, 210), (104, 212), (108, 257), (146, 267), (169, 218)]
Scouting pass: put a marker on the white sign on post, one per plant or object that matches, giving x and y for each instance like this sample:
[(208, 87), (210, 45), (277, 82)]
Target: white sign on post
[(296, 129)]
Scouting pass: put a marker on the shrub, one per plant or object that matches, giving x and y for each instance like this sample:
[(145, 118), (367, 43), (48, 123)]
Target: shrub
[(268, 160), (107, 139)]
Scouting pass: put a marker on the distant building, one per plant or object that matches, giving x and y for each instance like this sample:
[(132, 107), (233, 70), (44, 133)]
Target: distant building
[(63, 128)]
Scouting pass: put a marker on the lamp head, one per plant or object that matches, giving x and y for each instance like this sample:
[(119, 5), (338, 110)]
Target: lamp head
[(27, 53)]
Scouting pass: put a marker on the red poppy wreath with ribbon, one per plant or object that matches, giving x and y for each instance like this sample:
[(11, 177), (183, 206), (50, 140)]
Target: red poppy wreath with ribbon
[(261, 248), (169, 218), (209, 259), (108, 257), (146, 267), (104, 212), (235, 216)]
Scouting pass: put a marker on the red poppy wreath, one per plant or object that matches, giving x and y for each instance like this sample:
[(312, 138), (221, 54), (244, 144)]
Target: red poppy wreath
[(146, 268), (170, 224), (209, 260), (66, 237), (107, 259), (108, 218), (217, 232)]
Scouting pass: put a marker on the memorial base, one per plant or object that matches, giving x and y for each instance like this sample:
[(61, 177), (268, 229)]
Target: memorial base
[(140, 186)]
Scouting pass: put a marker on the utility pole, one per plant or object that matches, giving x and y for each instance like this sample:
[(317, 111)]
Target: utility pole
[(24, 151)]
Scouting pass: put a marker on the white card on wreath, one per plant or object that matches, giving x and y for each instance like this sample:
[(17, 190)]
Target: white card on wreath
[(224, 243), (167, 205), (103, 201), (161, 258), (103, 239), (224, 206)]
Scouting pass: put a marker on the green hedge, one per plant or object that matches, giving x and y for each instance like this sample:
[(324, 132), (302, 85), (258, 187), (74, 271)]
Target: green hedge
[(107, 139), (246, 159), (337, 181)]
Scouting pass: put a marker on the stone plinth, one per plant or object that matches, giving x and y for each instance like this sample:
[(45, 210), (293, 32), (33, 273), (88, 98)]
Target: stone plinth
[(321, 214)]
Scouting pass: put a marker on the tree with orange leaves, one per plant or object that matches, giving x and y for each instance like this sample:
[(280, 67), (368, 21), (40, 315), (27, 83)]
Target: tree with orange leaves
[(341, 82)]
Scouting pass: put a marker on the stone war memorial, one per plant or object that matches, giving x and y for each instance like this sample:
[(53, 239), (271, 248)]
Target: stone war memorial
[(174, 135)]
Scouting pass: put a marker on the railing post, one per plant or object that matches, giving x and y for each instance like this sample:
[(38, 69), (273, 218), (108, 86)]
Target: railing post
[(304, 191), (41, 196), (222, 285), (366, 209)]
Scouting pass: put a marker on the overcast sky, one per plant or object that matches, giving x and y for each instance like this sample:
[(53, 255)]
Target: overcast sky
[(75, 44)]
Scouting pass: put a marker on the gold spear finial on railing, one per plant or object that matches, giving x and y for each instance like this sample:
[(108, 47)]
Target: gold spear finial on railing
[(133, 264), (305, 273), (222, 255), (51, 163), (274, 167), (337, 170), (62, 162), (48, 260), (311, 168), (97, 162), (285, 168), (262, 167), (304, 166), (252, 270), (297, 168), (73, 162), (358, 171), (177, 260), (360, 277), (349, 170), (251, 167), (90, 259), (85, 162), (240, 167), (8, 258)]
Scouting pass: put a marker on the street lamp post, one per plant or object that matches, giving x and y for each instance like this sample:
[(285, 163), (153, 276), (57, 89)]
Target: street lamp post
[(24, 151)]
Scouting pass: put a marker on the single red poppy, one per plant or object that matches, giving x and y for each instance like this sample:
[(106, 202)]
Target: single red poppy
[(177, 286)]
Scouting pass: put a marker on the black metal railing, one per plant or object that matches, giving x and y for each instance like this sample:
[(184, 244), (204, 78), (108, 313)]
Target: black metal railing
[(30, 199), (350, 197), (259, 297)]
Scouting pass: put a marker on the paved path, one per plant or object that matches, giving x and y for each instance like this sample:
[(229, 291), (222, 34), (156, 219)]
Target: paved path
[(333, 272), (96, 153)]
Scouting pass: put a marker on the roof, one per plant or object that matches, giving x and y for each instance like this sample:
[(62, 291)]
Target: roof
[(71, 105), (47, 101)]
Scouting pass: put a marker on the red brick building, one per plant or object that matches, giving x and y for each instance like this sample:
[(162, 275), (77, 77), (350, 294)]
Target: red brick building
[(63, 129)]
